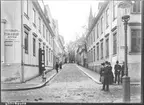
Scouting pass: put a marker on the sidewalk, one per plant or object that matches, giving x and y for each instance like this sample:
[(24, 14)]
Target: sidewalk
[(31, 84), (95, 76)]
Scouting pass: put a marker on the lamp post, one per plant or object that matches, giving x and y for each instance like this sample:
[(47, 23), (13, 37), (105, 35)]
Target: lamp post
[(126, 78)]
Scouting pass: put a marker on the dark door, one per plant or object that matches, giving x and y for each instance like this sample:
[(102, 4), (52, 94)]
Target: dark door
[(41, 61)]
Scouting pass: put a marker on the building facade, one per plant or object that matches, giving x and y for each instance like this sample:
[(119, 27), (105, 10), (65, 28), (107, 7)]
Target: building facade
[(25, 30), (105, 38)]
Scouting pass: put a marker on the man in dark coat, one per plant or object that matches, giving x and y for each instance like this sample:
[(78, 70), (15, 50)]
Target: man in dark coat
[(117, 72), (111, 73), (106, 77), (122, 71), (56, 67)]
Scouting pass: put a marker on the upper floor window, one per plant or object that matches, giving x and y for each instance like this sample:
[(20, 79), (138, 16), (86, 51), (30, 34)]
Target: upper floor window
[(46, 34), (107, 17), (26, 7), (94, 54), (107, 47), (34, 17), (98, 30), (114, 10), (39, 24), (43, 31), (115, 43), (136, 7), (102, 20), (47, 56), (135, 40), (34, 47), (26, 42), (101, 49), (97, 51)]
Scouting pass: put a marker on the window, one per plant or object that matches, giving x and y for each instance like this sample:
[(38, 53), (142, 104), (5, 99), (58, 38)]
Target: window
[(94, 54), (43, 31), (47, 56), (101, 49), (46, 34), (98, 30), (102, 20), (107, 17), (115, 43), (26, 7), (136, 7), (94, 35), (114, 10), (34, 47), (49, 38), (135, 40), (107, 47), (26, 41), (97, 51), (40, 25), (34, 17)]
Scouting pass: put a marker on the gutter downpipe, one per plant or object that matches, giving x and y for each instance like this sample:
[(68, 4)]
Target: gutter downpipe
[(22, 58)]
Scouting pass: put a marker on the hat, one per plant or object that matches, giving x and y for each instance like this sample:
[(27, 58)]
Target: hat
[(117, 61), (106, 62)]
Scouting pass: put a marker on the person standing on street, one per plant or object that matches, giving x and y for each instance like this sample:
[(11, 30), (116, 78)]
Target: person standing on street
[(102, 73), (111, 74), (60, 65), (122, 71), (56, 67), (117, 72), (106, 77)]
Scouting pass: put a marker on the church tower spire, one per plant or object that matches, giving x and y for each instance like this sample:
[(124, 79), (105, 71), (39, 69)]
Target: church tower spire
[(90, 17)]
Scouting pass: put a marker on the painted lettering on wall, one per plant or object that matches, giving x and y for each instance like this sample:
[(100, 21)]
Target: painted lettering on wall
[(11, 35)]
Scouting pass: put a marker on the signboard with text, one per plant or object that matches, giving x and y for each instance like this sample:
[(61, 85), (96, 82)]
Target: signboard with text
[(12, 35)]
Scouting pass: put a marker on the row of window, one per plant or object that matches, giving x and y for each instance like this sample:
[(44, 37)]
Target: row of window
[(98, 50), (41, 27), (48, 51), (99, 27)]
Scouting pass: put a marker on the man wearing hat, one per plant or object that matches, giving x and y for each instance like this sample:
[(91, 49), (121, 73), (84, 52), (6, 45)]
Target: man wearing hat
[(106, 77)]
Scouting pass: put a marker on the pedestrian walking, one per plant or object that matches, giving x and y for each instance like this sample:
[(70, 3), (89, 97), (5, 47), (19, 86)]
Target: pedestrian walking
[(117, 72), (60, 65), (102, 73), (106, 77), (122, 71), (56, 67), (111, 78)]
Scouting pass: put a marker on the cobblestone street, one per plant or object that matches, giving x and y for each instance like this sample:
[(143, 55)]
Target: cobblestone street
[(71, 85)]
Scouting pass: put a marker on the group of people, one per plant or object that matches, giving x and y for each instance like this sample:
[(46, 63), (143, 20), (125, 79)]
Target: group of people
[(58, 65), (106, 74)]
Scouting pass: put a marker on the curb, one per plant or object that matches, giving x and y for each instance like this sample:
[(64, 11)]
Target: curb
[(89, 75), (34, 87)]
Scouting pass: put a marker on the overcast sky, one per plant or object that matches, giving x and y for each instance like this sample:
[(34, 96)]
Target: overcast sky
[(71, 16)]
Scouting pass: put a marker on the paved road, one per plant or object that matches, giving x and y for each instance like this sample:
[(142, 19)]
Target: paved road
[(70, 85)]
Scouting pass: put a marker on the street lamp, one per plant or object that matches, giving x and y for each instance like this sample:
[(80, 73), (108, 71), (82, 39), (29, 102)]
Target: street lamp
[(126, 78)]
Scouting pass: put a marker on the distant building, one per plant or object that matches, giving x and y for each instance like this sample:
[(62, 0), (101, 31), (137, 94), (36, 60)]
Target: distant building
[(26, 28), (105, 38)]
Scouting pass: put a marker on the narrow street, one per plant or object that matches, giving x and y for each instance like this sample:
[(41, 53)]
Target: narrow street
[(69, 85)]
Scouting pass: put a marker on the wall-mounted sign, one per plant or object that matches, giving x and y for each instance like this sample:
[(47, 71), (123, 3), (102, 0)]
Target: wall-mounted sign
[(8, 43), (11, 35)]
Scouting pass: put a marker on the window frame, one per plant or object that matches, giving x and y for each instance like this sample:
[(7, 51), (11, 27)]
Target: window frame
[(34, 46)]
